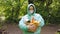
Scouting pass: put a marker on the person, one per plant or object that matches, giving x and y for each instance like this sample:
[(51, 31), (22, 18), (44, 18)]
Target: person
[(31, 12)]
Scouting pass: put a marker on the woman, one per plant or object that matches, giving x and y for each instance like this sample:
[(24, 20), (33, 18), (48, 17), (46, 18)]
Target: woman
[(31, 13)]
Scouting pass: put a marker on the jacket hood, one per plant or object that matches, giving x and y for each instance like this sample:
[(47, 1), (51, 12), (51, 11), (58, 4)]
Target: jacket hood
[(29, 7)]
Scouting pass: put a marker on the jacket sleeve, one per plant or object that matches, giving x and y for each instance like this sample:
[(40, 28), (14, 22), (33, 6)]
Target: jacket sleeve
[(41, 20), (22, 25)]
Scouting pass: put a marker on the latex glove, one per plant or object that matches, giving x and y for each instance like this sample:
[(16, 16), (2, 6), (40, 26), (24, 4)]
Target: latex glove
[(32, 28)]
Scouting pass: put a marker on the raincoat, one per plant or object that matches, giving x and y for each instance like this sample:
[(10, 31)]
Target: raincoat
[(37, 17)]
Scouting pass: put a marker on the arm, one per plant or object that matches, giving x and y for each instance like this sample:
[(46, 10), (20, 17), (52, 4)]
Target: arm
[(22, 25), (41, 20)]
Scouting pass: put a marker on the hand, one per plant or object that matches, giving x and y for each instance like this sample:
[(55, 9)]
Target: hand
[(36, 23), (32, 27)]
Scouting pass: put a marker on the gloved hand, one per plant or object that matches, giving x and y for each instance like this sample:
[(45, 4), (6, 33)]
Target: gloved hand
[(32, 27)]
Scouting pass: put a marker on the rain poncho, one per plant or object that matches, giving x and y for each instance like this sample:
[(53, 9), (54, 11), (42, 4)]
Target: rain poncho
[(37, 17)]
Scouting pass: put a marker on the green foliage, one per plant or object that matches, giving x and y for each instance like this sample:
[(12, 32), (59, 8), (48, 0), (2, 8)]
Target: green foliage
[(12, 9), (49, 9)]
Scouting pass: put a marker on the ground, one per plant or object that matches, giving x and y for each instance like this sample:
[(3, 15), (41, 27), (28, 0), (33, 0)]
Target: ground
[(49, 29)]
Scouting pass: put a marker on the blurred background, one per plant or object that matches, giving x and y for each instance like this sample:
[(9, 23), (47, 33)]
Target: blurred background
[(11, 12)]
